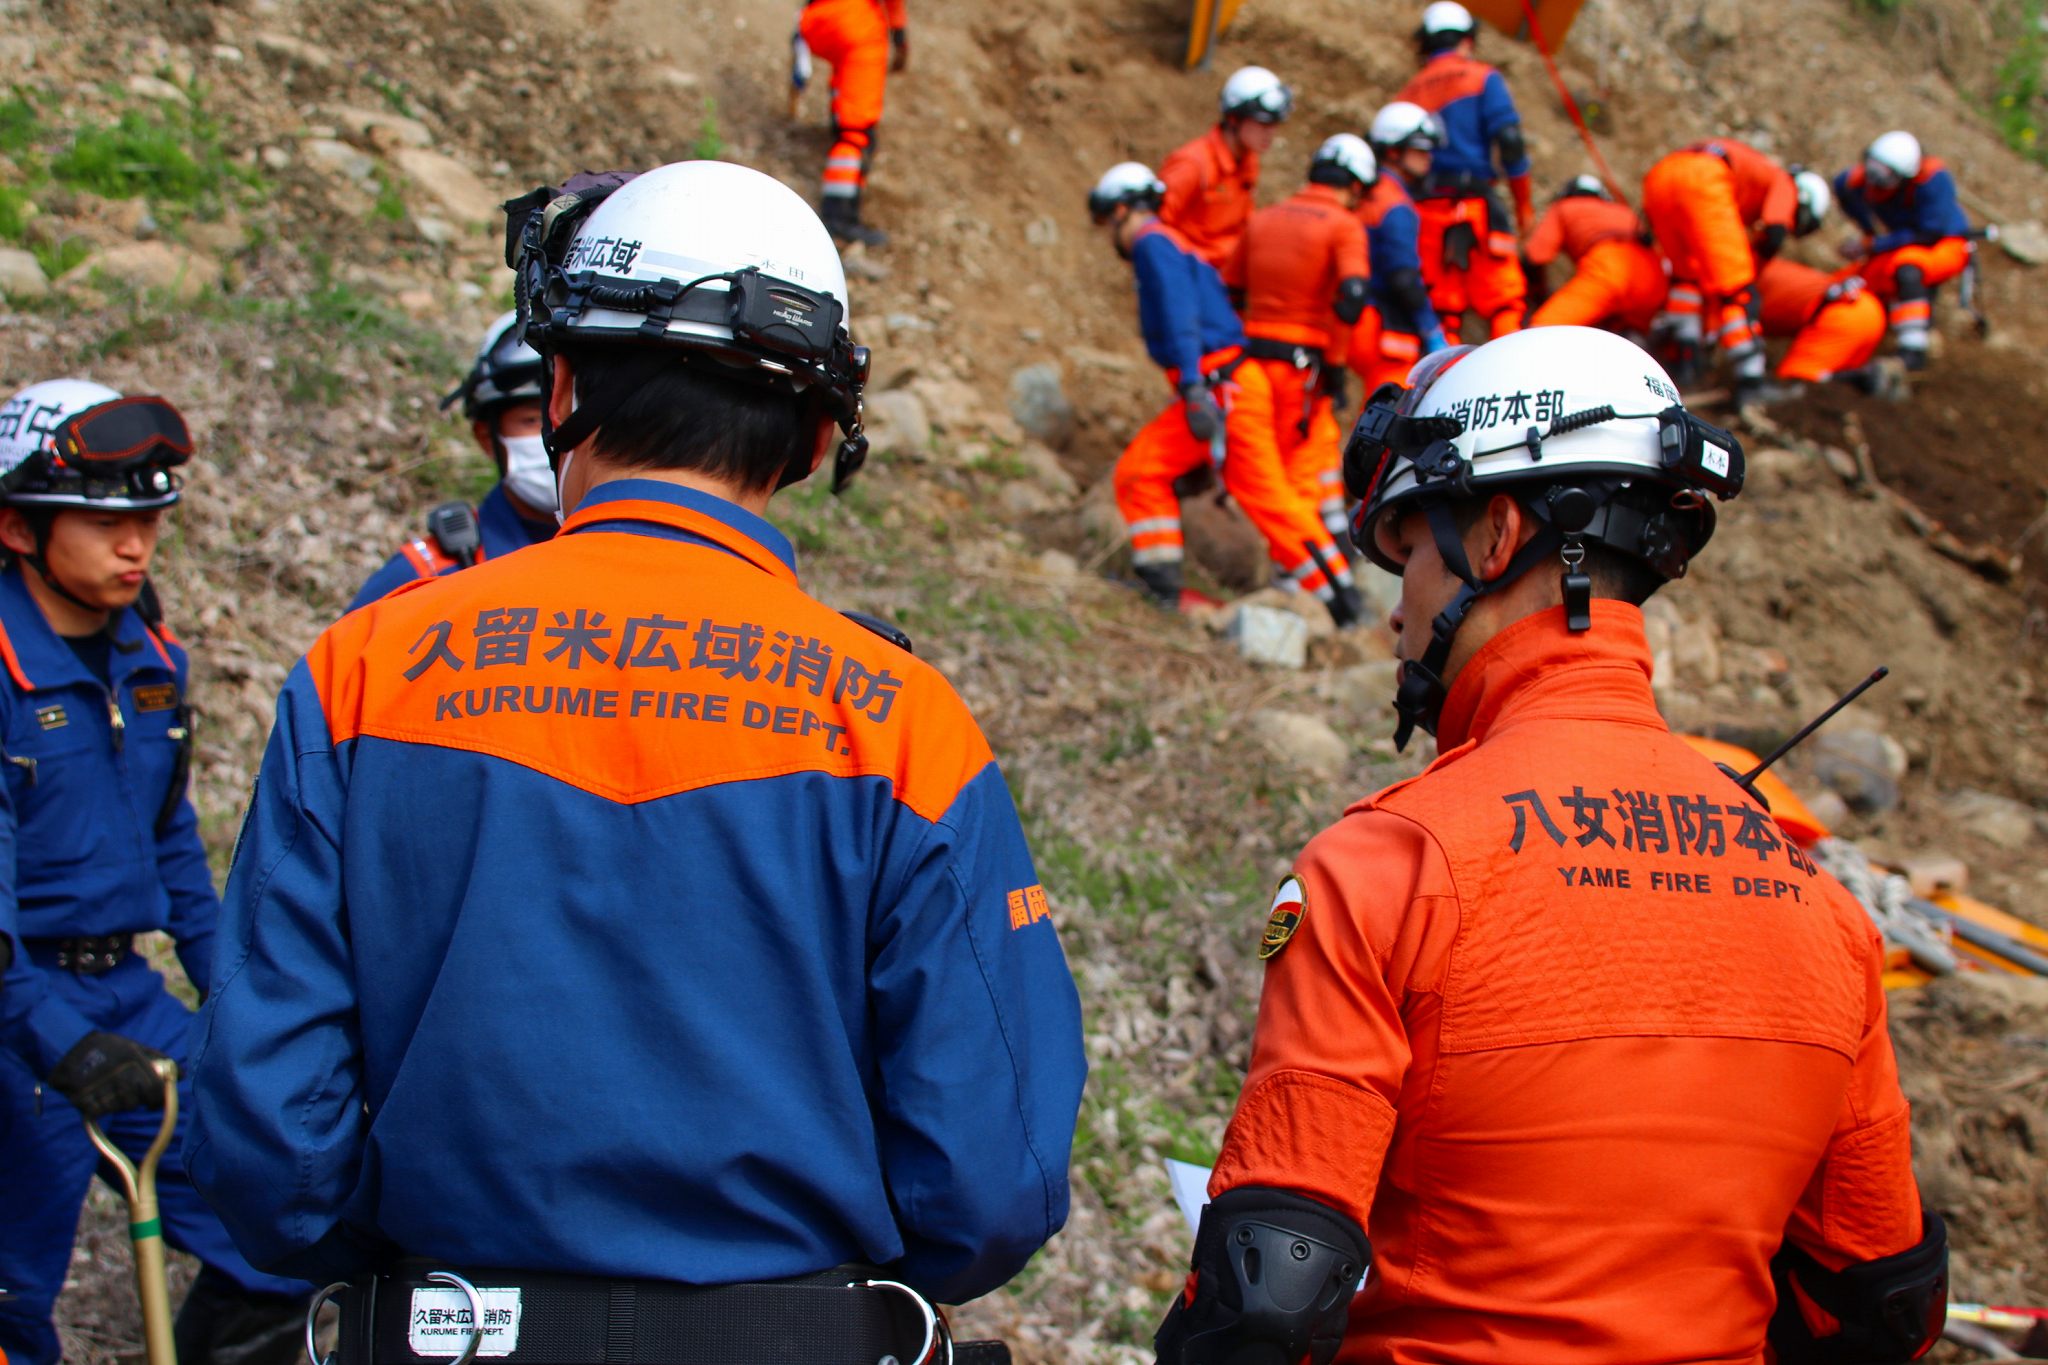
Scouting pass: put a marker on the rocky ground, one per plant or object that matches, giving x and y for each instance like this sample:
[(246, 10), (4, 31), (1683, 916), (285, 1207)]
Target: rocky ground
[(282, 215)]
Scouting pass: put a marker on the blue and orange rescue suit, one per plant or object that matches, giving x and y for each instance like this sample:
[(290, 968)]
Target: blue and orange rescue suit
[(854, 38), (1490, 1040), (1719, 210), (1616, 281), (102, 845), (1836, 325), (502, 530), (721, 957), (1469, 253), (1402, 322), (1925, 242), (1208, 198), (1191, 332), (1301, 267)]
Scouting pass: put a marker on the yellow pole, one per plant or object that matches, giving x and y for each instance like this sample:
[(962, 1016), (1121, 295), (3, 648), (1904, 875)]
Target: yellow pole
[(145, 1227)]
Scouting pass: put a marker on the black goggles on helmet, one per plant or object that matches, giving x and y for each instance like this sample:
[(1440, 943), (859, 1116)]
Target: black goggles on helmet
[(1268, 106), (121, 435)]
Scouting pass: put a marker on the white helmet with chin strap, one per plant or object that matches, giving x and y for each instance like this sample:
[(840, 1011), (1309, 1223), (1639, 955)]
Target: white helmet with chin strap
[(728, 267), (1255, 93), (1894, 157), (1816, 197), (74, 443), (1403, 125), (1127, 182), (1445, 24), (1349, 154), (1580, 425)]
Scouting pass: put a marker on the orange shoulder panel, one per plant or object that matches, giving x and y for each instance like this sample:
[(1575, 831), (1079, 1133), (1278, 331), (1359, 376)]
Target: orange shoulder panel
[(635, 668), (1444, 79)]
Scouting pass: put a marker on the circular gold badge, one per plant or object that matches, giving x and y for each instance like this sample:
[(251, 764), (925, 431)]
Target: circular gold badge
[(1290, 908)]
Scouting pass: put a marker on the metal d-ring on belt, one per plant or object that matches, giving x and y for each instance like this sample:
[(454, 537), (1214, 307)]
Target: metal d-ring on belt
[(447, 1277)]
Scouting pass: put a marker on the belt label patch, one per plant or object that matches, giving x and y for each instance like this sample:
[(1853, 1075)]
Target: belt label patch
[(440, 1324)]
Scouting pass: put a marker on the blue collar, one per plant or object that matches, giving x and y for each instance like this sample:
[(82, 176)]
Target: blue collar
[(728, 514), (504, 530), (45, 661)]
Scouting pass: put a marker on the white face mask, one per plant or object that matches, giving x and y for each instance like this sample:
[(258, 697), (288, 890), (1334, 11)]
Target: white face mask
[(527, 475)]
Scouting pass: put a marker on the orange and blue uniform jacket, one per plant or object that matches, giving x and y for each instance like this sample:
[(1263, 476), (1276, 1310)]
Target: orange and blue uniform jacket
[(617, 908), (1920, 212), (1393, 236), (502, 530), (1471, 100), (1183, 307)]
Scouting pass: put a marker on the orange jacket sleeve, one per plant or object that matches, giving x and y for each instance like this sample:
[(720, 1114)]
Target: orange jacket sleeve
[(1862, 1202), (895, 9), (1548, 238), (1349, 250), (1332, 1048), (1183, 174)]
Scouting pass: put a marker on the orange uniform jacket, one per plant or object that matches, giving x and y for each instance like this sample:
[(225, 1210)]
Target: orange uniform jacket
[(1706, 203), (1209, 195), (1575, 225), (1289, 263), (1616, 278), (1575, 1034)]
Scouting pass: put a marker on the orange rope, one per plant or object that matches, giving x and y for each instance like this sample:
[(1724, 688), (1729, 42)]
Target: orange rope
[(1571, 106)]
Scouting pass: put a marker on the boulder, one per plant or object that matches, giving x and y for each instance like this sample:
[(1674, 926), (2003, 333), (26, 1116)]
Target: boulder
[(1040, 405), (1870, 748), (1269, 635), (1995, 819), (1046, 468), (896, 423), (450, 184), (1301, 741), (951, 404), (1312, 612), (157, 266), (290, 51), (2025, 242), (1058, 565), (157, 88), (21, 275), (380, 128), (1933, 872), (337, 157)]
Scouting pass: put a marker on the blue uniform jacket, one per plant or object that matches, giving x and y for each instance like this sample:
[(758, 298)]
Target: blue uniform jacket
[(616, 908), (1393, 245), (1182, 305), (80, 850), (503, 531), (1471, 99), (1919, 212)]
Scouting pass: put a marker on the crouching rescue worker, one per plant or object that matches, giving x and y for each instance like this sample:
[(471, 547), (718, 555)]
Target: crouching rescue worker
[(1469, 240), (721, 960), (1925, 238), (1719, 210), (501, 398), (1836, 327), (1617, 1159), (863, 41), (1401, 326), (1224, 422), (1210, 181), (101, 845), (1301, 269), (1616, 281)]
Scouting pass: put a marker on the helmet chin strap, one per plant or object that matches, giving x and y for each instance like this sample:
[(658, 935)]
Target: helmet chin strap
[(39, 561), (1419, 696)]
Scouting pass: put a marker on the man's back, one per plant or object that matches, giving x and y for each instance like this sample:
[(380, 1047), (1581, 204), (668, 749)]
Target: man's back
[(687, 927), (1294, 255)]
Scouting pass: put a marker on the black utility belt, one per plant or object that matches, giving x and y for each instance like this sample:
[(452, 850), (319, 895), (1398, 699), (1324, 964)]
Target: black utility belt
[(422, 1311), (88, 955), (1287, 352)]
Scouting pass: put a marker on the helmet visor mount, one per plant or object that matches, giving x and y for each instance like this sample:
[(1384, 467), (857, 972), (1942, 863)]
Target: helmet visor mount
[(120, 452)]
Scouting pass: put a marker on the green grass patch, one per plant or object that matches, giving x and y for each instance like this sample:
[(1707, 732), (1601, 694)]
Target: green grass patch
[(390, 205), (19, 123), (710, 143), (174, 156), (14, 213)]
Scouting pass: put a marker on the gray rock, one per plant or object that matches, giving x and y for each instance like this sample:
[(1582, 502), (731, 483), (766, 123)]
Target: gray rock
[(382, 129), (1867, 790), (952, 405), (329, 154), (1046, 468), (1058, 564), (1869, 748), (1040, 405), (21, 275), (183, 274), (1270, 636), (896, 423), (157, 88), (2025, 242), (1996, 819), (284, 48), (450, 184), (1301, 741)]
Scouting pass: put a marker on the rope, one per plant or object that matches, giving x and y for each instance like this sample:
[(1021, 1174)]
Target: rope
[(1571, 106), (1886, 898)]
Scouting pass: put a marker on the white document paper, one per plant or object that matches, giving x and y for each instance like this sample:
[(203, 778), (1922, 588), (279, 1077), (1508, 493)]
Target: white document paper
[(1190, 1189)]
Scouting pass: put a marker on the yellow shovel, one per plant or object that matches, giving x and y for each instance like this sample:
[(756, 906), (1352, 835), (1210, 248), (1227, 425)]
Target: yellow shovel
[(145, 1227)]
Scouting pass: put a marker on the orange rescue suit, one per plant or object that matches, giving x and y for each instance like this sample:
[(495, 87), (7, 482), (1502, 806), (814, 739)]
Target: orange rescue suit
[(853, 37), (1835, 323), (1575, 1034), (1615, 278), (1290, 264), (1209, 195)]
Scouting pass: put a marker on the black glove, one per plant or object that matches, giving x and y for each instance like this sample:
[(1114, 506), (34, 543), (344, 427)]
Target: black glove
[(106, 1073), (899, 49), (1204, 414), (1334, 387)]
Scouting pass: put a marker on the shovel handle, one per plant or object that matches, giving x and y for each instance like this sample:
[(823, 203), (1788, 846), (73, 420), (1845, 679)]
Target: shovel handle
[(145, 1226)]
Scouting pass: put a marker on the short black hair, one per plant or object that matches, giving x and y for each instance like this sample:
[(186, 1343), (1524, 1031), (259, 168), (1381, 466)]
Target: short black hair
[(665, 411), (1616, 576)]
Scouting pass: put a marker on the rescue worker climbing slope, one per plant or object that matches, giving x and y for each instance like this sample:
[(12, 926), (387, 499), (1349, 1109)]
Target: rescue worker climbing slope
[(1223, 423), (1925, 237), (863, 41), (1301, 269), (1616, 281), (1720, 209), (704, 847), (1401, 326), (101, 845), (501, 399), (1836, 326), (1210, 181), (1486, 1061), (1469, 249)]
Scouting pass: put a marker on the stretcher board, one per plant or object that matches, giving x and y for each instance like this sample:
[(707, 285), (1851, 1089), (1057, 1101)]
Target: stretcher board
[(1207, 23), (1991, 917), (1554, 17)]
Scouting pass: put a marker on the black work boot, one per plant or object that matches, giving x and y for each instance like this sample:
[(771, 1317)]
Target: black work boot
[(841, 214), (221, 1323), (1163, 583)]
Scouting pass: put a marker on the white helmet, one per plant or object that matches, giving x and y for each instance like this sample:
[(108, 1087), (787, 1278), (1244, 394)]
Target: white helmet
[(1402, 124), (1815, 198), (1445, 24), (507, 371), (718, 261), (1257, 94), (74, 443), (1894, 157), (1349, 154), (1127, 182), (1585, 187)]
